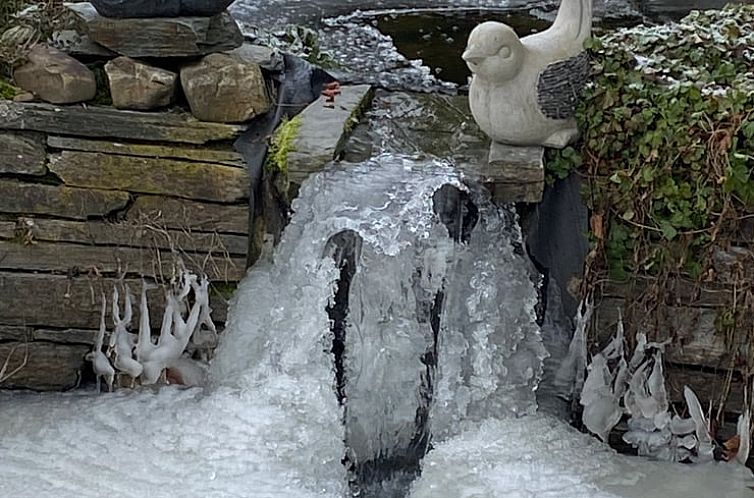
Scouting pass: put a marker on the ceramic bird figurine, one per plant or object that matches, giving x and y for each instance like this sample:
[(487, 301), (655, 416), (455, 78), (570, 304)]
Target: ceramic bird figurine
[(525, 91)]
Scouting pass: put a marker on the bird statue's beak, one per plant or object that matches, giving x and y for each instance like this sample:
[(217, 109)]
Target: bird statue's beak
[(472, 57)]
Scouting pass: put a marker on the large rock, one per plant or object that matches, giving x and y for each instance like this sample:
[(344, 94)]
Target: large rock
[(134, 85), (160, 37), (224, 88), (160, 8), (55, 77), (268, 58)]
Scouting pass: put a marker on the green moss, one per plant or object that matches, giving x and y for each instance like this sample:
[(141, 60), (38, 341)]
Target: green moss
[(8, 91), (281, 144), (355, 117)]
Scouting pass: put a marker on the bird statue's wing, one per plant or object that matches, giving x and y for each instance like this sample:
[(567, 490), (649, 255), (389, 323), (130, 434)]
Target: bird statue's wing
[(560, 84)]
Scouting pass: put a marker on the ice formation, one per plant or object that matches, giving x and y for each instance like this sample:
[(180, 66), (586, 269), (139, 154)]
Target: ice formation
[(440, 342), (142, 359)]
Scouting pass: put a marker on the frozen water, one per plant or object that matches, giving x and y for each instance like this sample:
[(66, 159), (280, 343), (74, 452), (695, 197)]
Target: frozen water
[(440, 339), (541, 457)]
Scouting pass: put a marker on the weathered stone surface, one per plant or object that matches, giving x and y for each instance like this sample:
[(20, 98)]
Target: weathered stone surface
[(517, 174), (323, 131), (14, 333), (55, 77), (75, 258), (161, 37), (138, 86), (693, 330), (160, 8), (103, 122), (223, 88), (22, 153), (213, 182), (191, 215), (66, 202), (45, 366), (225, 156), (74, 43), (265, 57), (47, 301), (146, 232)]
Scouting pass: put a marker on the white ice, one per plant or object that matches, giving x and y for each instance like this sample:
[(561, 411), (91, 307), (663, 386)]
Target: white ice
[(270, 424)]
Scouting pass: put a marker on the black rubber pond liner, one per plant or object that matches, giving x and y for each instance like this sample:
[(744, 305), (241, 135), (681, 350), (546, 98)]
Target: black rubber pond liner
[(298, 85)]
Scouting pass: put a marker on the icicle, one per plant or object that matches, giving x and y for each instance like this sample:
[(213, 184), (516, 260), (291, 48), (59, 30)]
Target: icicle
[(100, 362), (570, 375), (123, 340), (658, 393), (704, 449), (744, 437), (639, 352), (615, 347)]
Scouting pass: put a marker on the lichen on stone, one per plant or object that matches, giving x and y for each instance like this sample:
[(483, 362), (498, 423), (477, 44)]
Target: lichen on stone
[(281, 144)]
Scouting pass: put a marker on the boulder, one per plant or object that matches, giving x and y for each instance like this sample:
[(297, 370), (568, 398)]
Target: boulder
[(268, 58), (224, 88), (159, 8), (134, 85), (55, 77), (160, 36)]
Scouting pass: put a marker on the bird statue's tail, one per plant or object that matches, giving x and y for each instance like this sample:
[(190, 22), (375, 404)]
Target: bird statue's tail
[(575, 20)]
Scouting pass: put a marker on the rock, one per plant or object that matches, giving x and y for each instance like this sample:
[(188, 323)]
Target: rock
[(223, 88), (22, 153), (55, 77), (160, 37), (24, 97), (266, 57), (74, 43), (134, 85), (324, 129), (159, 8)]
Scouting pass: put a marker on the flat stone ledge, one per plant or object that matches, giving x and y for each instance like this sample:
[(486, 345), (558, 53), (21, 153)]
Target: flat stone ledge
[(160, 37), (324, 129), (514, 174)]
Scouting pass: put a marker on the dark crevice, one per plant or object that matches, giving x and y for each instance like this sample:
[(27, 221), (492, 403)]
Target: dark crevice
[(344, 248), (456, 211)]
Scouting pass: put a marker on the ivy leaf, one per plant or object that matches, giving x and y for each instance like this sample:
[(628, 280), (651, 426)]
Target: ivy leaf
[(668, 230)]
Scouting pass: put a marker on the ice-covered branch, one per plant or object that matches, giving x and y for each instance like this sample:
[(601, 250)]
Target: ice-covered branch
[(100, 362)]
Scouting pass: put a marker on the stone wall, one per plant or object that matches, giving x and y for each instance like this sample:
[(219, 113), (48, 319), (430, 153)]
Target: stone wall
[(89, 195)]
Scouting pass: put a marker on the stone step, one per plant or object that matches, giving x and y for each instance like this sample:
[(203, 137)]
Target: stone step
[(514, 174), (106, 122), (323, 130), (145, 233), (160, 37), (58, 301)]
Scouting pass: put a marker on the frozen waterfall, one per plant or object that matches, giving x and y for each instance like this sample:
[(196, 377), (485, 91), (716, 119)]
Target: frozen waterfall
[(396, 317)]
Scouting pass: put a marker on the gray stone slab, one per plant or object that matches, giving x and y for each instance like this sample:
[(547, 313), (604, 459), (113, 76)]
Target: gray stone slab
[(516, 173), (160, 37), (22, 153), (323, 131), (268, 58)]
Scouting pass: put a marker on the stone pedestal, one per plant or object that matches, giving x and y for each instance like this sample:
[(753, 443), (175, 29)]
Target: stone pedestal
[(516, 174)]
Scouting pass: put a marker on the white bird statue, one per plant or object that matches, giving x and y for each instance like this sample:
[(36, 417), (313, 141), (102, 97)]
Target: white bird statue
[(525, 91)]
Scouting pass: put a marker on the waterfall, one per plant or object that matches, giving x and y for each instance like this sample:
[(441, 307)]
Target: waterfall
[(404, 293), (392, 331)]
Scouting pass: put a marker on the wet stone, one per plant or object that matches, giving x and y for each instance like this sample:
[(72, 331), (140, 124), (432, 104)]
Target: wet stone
[(22, 153), (159, 8)]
